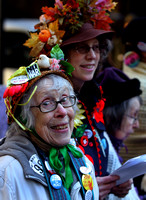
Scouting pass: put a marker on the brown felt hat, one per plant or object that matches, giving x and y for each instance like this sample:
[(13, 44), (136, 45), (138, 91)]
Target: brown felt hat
[(86, 32)]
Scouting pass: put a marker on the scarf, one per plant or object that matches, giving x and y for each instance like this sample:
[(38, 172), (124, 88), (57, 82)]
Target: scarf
[(56, 164)]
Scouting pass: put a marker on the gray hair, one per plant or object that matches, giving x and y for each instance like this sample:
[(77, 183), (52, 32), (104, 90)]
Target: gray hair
[(113, 115), (59, 83)]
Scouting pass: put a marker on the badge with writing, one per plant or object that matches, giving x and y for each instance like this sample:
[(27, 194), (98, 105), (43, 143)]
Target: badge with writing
[(19, 79), (36, 165), (33, 71), (55, 181)]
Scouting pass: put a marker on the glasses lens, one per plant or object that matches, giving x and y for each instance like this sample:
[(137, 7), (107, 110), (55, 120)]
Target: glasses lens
[(68, 101), (133, 119), (83, 49), (96, 48), (47, 106)]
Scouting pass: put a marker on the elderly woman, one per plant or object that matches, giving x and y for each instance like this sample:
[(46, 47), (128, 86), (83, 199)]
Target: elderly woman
[(122, 104), (37, 160)]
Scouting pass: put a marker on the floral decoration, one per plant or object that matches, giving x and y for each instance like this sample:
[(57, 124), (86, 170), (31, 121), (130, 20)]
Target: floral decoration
[(79, 116), (98, 109), (65, 18)]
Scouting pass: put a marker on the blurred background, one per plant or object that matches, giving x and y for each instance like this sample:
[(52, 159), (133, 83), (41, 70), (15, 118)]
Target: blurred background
[(17, 17)]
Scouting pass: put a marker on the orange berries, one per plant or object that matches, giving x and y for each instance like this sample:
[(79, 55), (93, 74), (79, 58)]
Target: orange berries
[(44, 35)]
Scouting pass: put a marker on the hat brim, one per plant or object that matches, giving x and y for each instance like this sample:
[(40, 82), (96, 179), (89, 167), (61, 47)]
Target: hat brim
[(87, 32)]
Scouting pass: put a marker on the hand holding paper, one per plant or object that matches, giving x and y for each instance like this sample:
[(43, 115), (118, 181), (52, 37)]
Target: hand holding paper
[(132, 168)]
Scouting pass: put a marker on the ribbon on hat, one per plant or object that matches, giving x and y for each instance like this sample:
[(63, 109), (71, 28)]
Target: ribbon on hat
[(56, 164)]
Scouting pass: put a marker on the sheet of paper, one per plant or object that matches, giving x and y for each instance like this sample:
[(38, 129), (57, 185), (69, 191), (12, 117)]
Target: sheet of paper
[(132, 168)]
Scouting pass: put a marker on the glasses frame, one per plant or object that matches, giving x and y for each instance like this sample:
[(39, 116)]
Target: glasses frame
[(56, 103), (87, 48), (132, 117)]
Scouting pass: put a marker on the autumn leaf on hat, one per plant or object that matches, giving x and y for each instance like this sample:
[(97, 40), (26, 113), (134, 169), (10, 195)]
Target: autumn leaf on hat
[(32, 41), (54, 27)]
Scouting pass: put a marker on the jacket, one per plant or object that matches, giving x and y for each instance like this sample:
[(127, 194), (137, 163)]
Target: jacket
[(21, 174), (97, 145)]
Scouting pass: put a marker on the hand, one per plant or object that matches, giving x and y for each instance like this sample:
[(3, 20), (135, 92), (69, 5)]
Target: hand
[(105, 185), (122, 189)]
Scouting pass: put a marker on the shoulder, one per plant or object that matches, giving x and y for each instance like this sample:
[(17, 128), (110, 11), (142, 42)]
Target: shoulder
[(9, 167), (10, 171)]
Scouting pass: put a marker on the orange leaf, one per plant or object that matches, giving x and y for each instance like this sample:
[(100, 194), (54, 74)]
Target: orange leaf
[(48, 11), (35, 51), (54, 26), (32, 41)]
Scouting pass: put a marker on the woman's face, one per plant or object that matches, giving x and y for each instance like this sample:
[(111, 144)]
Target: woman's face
[(54, 127), (130, 120), (85, 63)]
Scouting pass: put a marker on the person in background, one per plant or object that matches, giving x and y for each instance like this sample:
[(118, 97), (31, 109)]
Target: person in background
[(122, 105), (77, 26), (134, 65), (37, 158)]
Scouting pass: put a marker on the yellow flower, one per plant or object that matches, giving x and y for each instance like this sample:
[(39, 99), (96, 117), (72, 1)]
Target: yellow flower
[(79, 116)]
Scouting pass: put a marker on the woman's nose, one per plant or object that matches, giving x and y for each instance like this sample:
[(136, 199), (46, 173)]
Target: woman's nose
[(91, 54), (136, 124), (60, 111)]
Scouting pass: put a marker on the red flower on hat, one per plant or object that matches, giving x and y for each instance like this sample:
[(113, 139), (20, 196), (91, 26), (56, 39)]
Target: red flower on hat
[(73, 4), (15, 90)]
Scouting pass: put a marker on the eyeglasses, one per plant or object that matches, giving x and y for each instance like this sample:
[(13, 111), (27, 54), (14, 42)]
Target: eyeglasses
[(83, 49), (132, 117), (50, 105)]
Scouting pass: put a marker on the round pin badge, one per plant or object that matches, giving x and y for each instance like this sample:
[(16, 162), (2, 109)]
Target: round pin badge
[(84, 141), (85, 170), (55, 181), (19, 79), (87, 181), (88, 195), (48, 167), (88, 132)]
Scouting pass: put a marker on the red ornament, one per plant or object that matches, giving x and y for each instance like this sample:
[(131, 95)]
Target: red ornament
[(84, 140)]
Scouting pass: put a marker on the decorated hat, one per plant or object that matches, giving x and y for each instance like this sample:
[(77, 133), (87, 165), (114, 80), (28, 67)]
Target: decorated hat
[(70, 21), (117, 86), (86, 32), (25, 77)]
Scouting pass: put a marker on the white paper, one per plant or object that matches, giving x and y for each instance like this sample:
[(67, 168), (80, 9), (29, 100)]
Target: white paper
[(132, 168)]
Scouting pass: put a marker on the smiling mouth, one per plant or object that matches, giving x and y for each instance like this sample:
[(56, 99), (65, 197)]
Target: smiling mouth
[(61, 127), (87, 66)]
